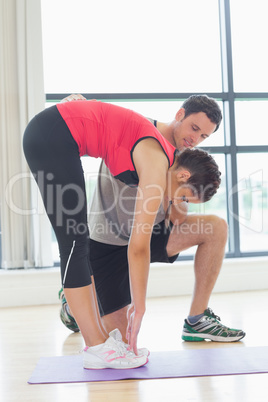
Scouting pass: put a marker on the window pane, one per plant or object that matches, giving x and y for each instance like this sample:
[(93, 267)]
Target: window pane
[(142, 46), (249, 41), (251, 128), (216, 206), (253, 201)]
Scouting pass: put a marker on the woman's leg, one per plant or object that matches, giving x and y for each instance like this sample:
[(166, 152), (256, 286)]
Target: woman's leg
[(53, 157), (85, 311)]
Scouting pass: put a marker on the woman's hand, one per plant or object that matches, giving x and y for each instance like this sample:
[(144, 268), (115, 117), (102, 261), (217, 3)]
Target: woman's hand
[(73, 97), (134, 323)]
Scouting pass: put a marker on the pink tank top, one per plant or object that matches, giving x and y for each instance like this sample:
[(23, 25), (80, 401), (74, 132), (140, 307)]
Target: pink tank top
[(111, 133)]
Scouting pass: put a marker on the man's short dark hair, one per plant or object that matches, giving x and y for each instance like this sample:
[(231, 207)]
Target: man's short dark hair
[(205, 104)]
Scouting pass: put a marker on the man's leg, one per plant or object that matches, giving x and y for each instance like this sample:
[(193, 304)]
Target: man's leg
[(209, 234), (117, 319), (110, 269)]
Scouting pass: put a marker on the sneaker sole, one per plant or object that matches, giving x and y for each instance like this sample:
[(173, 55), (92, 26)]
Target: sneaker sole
[(202, 337), (110, 366)]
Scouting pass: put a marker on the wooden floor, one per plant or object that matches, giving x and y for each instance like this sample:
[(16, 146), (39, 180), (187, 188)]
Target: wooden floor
[(28, 333)]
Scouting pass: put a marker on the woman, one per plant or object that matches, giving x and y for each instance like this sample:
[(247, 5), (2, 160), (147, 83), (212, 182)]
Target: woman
[(137, 154)]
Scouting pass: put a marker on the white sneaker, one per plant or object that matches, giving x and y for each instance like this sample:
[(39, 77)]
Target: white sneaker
[(112, 353), (143, 352)]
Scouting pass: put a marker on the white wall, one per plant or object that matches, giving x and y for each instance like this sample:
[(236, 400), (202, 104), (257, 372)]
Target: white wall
[(41, 286)]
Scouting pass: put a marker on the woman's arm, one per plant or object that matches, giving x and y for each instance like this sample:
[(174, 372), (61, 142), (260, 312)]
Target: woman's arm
[(151, 165)]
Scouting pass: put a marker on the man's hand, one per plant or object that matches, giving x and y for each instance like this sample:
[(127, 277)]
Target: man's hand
[(73, 97)]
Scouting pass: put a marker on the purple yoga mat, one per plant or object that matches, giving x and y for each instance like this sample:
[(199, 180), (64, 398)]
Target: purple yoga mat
[(185, 363)]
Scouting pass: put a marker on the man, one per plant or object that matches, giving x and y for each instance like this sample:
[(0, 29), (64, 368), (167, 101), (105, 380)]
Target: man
[(110, 221)]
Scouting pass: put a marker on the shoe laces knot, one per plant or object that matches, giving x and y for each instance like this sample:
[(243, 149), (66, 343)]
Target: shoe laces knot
[(122, 348), (211, 314)]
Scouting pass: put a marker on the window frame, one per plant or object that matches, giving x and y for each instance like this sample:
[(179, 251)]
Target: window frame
[(230, 149)]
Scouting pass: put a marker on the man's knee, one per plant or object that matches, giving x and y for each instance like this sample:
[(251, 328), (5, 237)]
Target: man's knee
[(219, 227), (197, 230)]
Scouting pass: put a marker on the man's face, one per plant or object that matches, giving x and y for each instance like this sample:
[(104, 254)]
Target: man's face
[(190, 131)]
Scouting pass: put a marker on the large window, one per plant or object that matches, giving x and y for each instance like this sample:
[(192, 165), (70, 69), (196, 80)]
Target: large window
[(252, 197), (151, 55), (249, 33), (113, 46)]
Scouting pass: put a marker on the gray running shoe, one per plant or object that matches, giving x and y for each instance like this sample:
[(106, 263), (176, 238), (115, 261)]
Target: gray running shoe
[(65, 316), (209, 327)]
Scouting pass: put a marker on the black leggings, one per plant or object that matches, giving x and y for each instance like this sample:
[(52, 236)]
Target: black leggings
[(53, 157)]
